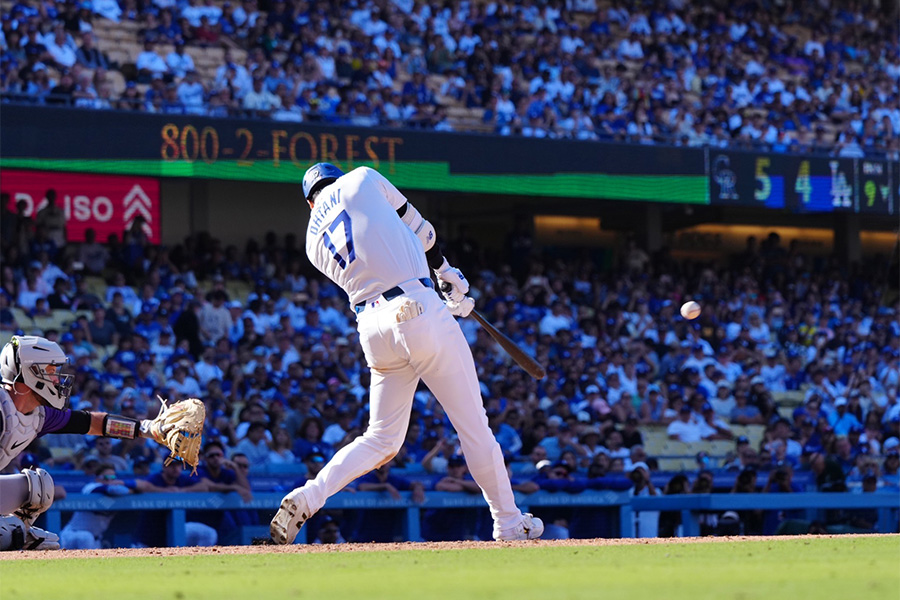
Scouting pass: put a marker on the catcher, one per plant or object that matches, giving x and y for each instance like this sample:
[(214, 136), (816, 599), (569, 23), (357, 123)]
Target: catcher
[(33, 396)]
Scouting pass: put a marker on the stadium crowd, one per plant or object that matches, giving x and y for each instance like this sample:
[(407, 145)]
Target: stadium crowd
[(773, 74), (284, 381)]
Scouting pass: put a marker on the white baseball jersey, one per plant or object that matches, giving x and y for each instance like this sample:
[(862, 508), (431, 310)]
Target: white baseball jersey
[(16, 430), (363, 205)]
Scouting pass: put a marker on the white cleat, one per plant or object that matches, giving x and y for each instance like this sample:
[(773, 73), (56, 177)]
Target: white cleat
[(291, 516), (530, 528)]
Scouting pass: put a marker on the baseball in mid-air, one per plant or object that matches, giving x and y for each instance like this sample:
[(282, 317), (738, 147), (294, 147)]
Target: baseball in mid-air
[(690, 310)]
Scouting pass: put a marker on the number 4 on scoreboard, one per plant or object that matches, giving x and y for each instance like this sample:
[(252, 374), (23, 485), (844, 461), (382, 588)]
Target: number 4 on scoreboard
[(803, 185)]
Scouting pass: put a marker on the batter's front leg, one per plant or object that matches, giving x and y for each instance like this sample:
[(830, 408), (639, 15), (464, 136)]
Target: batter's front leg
[(390, 402), (450, 375)]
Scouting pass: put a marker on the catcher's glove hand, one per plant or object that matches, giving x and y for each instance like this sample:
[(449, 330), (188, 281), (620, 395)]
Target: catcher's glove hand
[(179, 428)]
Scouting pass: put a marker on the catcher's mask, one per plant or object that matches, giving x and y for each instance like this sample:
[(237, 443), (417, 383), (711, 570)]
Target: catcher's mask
[(41, 365)]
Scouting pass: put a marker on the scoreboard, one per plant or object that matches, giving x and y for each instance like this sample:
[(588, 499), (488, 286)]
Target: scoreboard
[(803, 184), (91, 142)]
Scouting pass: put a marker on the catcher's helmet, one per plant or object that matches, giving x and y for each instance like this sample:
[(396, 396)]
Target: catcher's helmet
[(317, 176), (40, 364)]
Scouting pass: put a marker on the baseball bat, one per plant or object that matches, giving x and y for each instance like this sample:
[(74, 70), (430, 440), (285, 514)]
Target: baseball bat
[(531, 366)]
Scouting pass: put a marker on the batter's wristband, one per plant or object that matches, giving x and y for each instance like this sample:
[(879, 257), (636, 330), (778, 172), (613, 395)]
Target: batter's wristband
[(117, 426), (434, 257)]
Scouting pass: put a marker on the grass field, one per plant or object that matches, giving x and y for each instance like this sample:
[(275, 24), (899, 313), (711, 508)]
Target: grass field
[(791, 568)]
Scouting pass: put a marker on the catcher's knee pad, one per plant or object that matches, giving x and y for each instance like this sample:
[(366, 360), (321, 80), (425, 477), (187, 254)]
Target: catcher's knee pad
[(40, 494)]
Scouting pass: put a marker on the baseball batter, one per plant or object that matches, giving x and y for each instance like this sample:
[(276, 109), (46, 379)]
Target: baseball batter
[(34, 392), (367, 238)]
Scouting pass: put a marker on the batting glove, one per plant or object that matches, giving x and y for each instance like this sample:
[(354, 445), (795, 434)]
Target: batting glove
[(452, 276), (461, 309)]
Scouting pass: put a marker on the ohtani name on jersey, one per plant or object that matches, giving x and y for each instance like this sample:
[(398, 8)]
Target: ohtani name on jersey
[(322, 209)]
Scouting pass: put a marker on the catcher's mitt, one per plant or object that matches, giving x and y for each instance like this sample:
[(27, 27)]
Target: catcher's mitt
[(179, 428)]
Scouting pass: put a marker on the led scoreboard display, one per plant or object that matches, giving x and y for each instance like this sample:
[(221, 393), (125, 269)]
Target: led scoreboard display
[(799, 183), (146, 145)]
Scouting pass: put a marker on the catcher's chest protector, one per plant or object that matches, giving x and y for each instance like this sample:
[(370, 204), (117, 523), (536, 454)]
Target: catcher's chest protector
[(16, 430)]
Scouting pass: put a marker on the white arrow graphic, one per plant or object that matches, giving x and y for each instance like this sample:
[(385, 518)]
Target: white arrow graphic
[(137, 202)]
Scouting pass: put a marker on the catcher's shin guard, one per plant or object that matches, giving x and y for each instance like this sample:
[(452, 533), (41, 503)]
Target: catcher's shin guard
[(15, 534)]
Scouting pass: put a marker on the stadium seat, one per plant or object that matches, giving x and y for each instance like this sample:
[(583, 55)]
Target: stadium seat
[(792, 398), (96, 285), (82, 313), (58, 319), (237, 290), (61, 454), (754, 433), (655, 442), (675, 464), (22, 318)]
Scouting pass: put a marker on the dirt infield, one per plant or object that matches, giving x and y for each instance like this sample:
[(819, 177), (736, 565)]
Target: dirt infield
[(308, 548)]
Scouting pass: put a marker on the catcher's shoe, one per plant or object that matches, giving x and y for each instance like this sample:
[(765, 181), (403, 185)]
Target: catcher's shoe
[(291, 516), (530, 528)]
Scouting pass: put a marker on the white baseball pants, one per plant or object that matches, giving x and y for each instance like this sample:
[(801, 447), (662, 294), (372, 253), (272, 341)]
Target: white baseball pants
[(430, 346)]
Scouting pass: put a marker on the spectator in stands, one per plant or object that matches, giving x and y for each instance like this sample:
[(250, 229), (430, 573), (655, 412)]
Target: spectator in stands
[(841, 420), (781, 432), (455, 525), (62, 48), (457, 478), (91, 254), (751, 520), (343, 431), (85, 529), (60, 298), (150, 531), (259, 101), (684, 429), (149, 63), (280, 452), (255, 445), (182, 382), (670, 521), (646, 522), (329, 532), (560, 440), (506, 436), (89, 56), (890, 479), (191, 93), (829, 474), (222, 475), (437, 458), (744, 413), (381, 480), (179, 62), (103, 451), (52, 219), (712, 427)]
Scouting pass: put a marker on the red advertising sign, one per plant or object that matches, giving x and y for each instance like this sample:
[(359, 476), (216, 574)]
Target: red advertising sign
[(105, 203)]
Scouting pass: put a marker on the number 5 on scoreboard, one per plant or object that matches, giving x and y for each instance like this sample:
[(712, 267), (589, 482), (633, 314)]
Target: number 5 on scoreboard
[(764, 190), (803, 185)]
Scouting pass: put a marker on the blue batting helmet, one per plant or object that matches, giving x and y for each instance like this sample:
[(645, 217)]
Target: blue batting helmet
[(318, 175)]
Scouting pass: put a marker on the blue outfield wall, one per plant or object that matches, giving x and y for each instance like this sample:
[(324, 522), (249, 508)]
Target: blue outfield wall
[(886, 503)]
